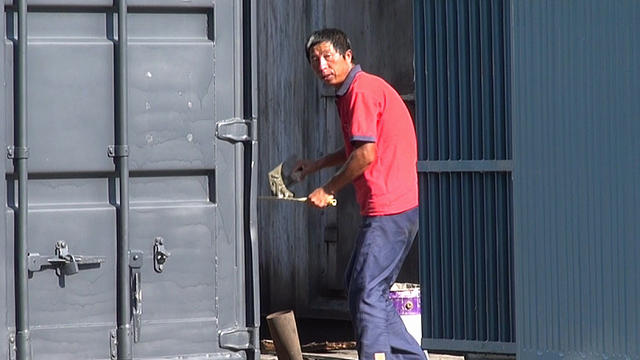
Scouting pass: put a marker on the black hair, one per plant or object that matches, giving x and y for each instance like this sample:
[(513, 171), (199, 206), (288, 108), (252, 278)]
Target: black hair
[(335, 37)]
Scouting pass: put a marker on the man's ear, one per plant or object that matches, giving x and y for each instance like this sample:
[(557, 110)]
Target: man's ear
[(348, 55)]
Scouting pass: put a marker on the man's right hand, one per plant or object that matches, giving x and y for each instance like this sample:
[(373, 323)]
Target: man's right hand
[(320, 198)]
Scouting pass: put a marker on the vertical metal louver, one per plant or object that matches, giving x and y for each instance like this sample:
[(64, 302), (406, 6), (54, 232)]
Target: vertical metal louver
[(464, 132)]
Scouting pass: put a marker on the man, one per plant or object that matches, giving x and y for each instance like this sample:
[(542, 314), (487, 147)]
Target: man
[(379, 157)]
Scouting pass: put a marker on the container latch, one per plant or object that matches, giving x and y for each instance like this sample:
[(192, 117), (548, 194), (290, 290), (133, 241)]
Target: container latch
[(160, 255), (63, 261)]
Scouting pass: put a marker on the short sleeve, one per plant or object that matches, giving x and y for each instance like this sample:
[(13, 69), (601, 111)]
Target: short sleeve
[(365, 111)]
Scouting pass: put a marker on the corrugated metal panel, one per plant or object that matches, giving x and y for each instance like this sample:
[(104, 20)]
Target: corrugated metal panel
[(464, 130), (576, 72)]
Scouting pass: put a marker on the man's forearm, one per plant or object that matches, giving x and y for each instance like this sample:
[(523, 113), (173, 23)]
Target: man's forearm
[(359, 160), (334, 159), (363, 155)]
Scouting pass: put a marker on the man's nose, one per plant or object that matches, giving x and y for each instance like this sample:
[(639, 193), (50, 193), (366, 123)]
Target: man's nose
[(322, 63)]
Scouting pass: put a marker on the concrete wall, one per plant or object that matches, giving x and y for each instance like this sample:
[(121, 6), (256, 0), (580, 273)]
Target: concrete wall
[(304, 251)]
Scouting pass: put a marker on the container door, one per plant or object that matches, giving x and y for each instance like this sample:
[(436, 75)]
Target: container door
[(69, 124), (187, 188), (184, 181)]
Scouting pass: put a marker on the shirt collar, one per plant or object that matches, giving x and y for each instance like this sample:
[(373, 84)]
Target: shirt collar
[(348, 80)]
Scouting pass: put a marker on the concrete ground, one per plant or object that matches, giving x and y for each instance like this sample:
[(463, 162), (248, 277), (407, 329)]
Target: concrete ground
[(320, 330)]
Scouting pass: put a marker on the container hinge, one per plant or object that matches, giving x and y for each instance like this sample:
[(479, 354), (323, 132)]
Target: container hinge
[(239, 339), (114, 151), (237, 130), (17, 152)]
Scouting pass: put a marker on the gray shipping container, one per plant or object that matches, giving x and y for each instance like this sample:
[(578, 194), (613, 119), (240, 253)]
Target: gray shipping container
[(134, 235)]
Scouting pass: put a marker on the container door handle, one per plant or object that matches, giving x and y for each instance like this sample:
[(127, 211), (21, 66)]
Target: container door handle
[(135, 263)]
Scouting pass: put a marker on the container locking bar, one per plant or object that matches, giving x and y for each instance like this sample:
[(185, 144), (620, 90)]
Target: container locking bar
[(20, 153), (63, 261), (123, 268)]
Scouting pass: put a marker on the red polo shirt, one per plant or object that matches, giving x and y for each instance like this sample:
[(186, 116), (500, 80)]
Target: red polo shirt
[(372, 111)]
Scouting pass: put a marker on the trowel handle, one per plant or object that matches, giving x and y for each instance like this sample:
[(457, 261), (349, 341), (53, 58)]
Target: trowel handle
[(332, 200)]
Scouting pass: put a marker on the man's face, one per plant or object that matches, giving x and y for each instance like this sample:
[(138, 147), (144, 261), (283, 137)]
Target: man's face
[(329, 65)]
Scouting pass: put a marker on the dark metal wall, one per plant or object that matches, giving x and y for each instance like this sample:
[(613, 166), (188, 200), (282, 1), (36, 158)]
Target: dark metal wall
[(304, 251), (576, 121), (464, 130)]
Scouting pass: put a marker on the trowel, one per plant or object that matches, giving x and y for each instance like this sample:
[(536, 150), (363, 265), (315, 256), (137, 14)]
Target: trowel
[(283, 176), (332, 201)]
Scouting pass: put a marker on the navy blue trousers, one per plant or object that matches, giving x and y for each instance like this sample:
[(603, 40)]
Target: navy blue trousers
[(381, 247)]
